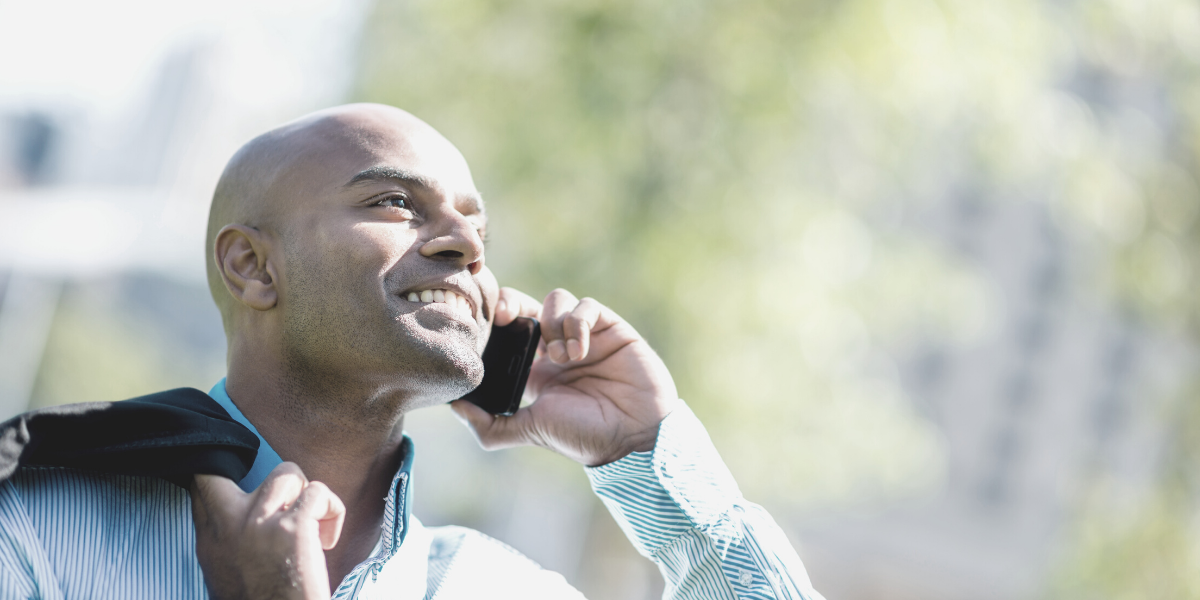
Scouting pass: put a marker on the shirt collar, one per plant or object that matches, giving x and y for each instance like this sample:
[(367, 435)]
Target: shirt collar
[(399, 500), (267, 458)]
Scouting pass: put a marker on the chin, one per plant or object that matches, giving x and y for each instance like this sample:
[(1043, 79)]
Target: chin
[(434, 359), (467, 376), (448, 372)]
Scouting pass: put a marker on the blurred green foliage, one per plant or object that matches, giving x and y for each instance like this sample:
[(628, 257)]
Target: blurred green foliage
[(692, 164), (1124, 177), (744, 181), (119, 337)]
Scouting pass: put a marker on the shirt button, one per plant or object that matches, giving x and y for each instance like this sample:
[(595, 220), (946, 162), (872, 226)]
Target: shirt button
[(745, 578)]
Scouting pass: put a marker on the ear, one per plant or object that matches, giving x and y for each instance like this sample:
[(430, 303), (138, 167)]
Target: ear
[(242, 261)]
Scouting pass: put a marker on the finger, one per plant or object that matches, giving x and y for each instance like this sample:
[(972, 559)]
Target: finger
[(199, 501), (319, 503), (214, 494), (493, 432), (557, 306), (515, 303), (577, 327), (280, 489)]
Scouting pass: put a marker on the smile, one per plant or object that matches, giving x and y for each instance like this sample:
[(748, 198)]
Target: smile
[(446, 297)]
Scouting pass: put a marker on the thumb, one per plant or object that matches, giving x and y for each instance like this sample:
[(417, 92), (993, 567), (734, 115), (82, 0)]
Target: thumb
[(494, 432)]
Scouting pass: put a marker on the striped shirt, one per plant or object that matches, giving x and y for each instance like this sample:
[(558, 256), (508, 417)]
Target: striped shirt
[(66, 533)]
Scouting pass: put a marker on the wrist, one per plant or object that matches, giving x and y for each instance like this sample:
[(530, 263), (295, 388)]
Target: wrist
[(648, 440), (643, 441)]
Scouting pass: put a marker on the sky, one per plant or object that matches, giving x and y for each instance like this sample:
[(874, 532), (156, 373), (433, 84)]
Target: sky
[(101, 55), (151, 98)]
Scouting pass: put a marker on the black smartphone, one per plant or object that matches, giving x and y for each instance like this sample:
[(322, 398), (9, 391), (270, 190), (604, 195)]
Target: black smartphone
[(506, 362)]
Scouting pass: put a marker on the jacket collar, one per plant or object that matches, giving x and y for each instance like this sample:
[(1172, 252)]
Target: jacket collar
[(172, 435)]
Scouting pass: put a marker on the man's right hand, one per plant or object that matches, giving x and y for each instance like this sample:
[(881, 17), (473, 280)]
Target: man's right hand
[(269, 543)]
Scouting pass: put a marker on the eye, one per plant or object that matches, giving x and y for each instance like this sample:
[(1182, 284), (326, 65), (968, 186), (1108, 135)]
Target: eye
[(395, 202), (398, 205)]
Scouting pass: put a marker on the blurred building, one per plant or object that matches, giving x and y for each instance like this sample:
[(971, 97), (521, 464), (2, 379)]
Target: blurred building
[(1066, 390), (104, 191)]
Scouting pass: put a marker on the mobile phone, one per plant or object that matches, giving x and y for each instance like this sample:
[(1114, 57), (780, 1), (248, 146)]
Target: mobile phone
[(506, 362)]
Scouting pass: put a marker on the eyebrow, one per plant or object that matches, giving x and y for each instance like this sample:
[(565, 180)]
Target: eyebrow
[(383, 173), (389, 174)]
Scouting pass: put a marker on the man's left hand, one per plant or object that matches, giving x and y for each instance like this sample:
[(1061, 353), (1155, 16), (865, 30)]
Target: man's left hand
[(599, 390)]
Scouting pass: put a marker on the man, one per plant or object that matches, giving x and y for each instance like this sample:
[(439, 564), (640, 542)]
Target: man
[(346, 256)]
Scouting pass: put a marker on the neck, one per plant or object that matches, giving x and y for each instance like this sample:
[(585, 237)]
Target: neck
[(350, 442)]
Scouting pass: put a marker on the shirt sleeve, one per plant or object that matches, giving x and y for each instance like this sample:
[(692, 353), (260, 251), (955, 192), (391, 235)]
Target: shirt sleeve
[(681, 508)]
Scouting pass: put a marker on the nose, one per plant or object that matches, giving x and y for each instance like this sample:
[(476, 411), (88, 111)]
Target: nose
[(455, 239)]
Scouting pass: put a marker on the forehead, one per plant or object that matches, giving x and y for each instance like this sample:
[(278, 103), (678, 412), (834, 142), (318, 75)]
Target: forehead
[(339, 149)]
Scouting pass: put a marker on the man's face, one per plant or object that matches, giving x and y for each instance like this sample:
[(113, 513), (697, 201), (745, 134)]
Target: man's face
[(383, 279)]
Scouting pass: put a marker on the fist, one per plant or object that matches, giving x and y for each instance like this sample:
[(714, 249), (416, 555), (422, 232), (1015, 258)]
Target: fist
[(269, 543)]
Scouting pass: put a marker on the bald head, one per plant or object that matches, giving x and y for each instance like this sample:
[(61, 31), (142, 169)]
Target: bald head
[(267, 180)]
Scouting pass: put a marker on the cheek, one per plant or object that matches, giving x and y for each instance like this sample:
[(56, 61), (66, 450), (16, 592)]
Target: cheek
[(344, 269), (491, 292), (375, 249)]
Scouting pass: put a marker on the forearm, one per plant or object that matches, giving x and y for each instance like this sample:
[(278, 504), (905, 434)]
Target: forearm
[(681, 508)]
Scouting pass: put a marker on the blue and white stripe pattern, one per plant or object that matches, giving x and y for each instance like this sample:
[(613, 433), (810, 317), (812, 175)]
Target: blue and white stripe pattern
[(67, 534), (681, 508)]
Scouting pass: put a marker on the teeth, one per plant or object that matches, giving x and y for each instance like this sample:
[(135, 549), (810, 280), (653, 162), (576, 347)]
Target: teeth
[(442, 296)]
